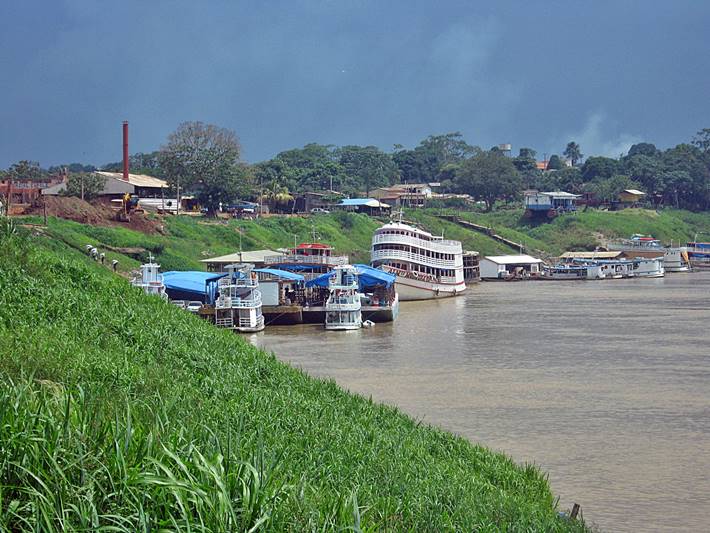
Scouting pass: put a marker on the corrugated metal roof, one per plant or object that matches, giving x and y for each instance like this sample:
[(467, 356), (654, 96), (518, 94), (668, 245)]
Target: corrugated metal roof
[(253, 256), (137, 180), (512, 259), (634, 191), (591, 255)]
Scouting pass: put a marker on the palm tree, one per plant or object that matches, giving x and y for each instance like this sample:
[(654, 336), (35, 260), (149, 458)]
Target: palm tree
[(573, 153)]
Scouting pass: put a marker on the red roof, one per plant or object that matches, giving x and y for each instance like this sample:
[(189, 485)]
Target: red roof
[(313, 246)]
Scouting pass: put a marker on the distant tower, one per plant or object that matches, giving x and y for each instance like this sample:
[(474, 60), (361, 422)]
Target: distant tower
[(506, 148)]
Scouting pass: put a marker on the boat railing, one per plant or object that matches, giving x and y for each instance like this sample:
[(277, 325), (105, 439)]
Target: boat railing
[(227, 302), (438, 245), (333, 260), (350, 306), (247, 322), (247, 282), (414, 257)]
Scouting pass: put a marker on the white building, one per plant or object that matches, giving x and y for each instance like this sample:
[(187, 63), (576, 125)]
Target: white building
[(507, 266)]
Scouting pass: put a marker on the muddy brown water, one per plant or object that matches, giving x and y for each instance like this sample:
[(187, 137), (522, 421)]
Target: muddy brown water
[(603, 384)]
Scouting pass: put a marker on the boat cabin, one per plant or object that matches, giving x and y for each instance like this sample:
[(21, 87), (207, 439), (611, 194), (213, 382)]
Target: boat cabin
[(309, 259)]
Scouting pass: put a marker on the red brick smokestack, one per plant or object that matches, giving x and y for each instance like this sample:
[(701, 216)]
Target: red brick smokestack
[(125, 150)]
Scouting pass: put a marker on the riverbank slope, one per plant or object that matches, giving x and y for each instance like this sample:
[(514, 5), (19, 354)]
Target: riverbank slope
[(121, 410), (583, 230)]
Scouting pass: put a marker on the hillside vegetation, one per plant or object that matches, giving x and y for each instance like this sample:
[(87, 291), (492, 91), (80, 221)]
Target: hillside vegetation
[(185, 240), (120, 412)]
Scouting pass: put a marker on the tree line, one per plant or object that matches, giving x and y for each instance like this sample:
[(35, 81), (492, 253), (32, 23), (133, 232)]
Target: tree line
[(205, 160)]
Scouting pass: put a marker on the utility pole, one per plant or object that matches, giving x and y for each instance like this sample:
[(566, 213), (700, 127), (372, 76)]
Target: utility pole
[(177, 211)]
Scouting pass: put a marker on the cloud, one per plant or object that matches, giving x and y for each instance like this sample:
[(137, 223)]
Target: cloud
[(597, 138)]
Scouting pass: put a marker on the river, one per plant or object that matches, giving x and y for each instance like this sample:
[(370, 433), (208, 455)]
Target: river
[(603, 384)]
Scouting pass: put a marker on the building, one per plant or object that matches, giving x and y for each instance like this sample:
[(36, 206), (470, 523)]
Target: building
[(405, 194), (115, 186), (549, 204), (509, 267), (24, 191), (254, 257), (631, 197), (369, 206)]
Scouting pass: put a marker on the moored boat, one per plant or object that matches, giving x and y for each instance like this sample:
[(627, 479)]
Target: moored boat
[(343, 307), (426, 266), (699, 254), (149, 279), (571, 272), (238, 303)]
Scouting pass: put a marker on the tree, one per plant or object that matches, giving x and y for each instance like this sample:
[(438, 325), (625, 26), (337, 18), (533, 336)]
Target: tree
[(573, 153), (85, 185), (29, 170), (427, 160), (369, 164), (555, 163), (598, 167), (204, 159), (646, 149), (702, 140), (568, 179), (608, 189), (488, 176), (644, 169), (527, 153)]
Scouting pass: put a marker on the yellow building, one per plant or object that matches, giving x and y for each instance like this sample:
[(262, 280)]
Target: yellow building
[(631, 196)]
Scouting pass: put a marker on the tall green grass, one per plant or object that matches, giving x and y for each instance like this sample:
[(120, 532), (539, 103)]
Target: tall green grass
[(187, 240), (120, 412)]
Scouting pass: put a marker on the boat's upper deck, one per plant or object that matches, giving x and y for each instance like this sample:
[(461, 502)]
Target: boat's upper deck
[(400, 233)]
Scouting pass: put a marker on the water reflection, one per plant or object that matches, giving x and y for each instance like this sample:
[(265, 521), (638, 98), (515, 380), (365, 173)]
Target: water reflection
[(605, 385)]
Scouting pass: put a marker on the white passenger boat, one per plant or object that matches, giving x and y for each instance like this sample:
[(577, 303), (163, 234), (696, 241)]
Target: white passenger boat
[(150, 280), (426, 266), (238, 304), (343, 307)]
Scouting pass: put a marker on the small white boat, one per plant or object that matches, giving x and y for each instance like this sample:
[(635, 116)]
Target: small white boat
[(343, 307), (149, 280), (238, 305)]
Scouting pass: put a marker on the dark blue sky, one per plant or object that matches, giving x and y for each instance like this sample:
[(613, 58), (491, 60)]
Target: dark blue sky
[(282, 74)]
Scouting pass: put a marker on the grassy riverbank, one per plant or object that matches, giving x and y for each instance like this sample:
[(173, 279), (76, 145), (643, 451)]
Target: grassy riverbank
[(179, 243), (120, 410)]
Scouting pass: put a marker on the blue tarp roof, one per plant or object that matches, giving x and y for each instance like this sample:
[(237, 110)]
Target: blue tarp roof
[(190, 280), (359, 202), (285, 274), (368, 278)]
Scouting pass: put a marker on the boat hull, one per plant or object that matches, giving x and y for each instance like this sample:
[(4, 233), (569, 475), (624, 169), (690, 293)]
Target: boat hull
[(342, 327), (412, 289)]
